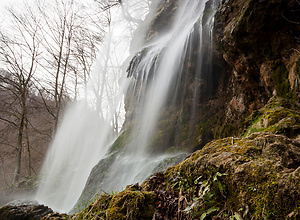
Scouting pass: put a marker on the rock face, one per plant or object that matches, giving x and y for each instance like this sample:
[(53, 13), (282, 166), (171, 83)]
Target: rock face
[(258, 40)]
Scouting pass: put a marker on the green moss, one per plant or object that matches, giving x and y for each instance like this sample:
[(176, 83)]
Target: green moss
[(228, 130), (255, 126), (263, 194), (96, 209), (275, 115), (122, 140), (131, 205), (279, 116), (127, 204)]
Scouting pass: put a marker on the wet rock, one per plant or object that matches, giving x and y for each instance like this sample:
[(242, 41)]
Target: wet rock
[(24, 210)]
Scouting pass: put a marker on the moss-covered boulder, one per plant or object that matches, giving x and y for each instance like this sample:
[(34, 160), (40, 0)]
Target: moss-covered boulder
[(131, 205), (257, 177), (128, 204), (96, 209)]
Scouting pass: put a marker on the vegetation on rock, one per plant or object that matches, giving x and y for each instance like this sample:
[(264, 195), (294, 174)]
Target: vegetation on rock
[(278, 116), (254, 177)]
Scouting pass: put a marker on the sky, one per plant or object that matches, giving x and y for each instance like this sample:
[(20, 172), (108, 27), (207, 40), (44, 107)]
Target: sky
[(4, 3), (7, 3)]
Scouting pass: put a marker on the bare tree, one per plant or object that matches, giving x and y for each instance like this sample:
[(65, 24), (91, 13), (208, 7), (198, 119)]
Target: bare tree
[(70, 33), (59, 41), (19, 54)]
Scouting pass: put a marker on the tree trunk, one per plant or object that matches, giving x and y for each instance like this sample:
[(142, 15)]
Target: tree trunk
[(28, 148), (20, 141)]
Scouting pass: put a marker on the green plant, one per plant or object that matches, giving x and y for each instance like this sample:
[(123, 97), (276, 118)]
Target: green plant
[(180, 181), (210, 191), (235, 216)]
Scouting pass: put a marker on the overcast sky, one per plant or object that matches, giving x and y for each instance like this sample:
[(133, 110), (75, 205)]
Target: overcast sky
[(4, 3), (7, 3)]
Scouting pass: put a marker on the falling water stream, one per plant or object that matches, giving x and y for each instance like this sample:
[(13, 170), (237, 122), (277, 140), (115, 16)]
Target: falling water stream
[(83, 137)]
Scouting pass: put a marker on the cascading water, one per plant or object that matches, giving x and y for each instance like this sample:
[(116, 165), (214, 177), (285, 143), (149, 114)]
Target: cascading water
[(86, 130), (67, 168), (157, 75)]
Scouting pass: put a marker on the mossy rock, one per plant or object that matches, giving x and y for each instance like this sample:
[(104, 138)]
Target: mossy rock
[(56, 216), (281, 102), (96, 209), (131, 205), (255, 178), (279, 116), (128, 204)]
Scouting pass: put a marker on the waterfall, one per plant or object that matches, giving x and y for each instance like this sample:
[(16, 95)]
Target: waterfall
[(69, 159), (157, 74)]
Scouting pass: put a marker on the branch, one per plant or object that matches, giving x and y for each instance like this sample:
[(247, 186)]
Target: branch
[(293, 22), (10, 122)]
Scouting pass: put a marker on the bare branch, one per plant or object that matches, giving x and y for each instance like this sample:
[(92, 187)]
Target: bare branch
[(293, 22)]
